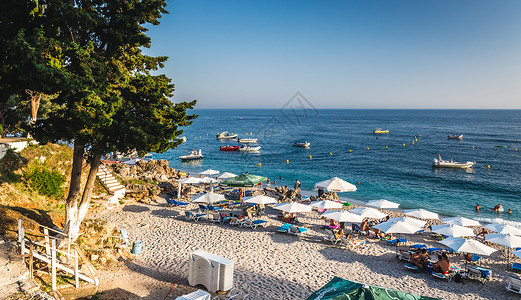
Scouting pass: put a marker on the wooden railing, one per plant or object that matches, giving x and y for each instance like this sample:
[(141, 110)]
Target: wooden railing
[(47, 252)]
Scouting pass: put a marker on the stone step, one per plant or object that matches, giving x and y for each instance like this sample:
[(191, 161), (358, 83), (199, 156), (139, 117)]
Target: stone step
[(112, 184)]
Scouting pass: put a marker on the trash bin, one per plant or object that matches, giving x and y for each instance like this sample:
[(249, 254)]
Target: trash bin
[(136, 247)]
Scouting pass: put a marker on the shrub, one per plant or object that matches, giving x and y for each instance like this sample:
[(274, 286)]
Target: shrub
[(45, 181)]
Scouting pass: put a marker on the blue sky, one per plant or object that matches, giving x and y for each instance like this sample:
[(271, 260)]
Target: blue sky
[(343, 54)]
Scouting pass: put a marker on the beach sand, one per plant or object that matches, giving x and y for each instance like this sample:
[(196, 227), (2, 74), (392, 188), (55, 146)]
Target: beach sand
[(268, 264)]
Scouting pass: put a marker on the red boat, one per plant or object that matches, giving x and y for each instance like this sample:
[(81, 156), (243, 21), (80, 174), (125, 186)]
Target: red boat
[(230, 148)]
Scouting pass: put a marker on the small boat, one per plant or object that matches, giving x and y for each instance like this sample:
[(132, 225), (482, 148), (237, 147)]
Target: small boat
[(304, 144), (181, 139), (249, 148), (380, 130), (193, 155), (440, 163), (229, 148), (248, 141), (455, 137), (225, 135)]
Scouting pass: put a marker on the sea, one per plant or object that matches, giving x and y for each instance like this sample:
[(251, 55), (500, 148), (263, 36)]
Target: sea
[(396, 166)]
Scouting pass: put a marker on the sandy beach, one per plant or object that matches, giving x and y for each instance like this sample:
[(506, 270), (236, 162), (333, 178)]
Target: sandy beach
[(268, 264)]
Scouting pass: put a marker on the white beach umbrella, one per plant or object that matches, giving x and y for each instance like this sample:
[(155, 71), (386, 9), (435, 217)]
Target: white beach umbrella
[(261, 199), (504, 228), (209, 198), (368, 212), (382, 203), (507, 240), (397, 227), (326, 204), (452, 230), (226, 175), (412, 221), (461, 221), (209, 172), (208, 180), (292, 207), (422, 214), (336, 184), (468, 246), (190, 180), (343, 216)]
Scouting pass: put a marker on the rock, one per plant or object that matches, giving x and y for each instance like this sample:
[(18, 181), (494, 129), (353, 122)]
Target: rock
[(154, 170), (329, 196), (139, 191)]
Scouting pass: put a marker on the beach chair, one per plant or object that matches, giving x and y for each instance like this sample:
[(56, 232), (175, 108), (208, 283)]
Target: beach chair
[(447, 276), (412, 267), (284, 228), (234, 221), (191, 216), (516, 267), (404, 255), (478, 273), (254, 224), (348, 243), (214, 217), (295, 230), (173, 202), (203, 207), (332, 237), (397, 241), (214, 208), (514, 284), (417, 246)]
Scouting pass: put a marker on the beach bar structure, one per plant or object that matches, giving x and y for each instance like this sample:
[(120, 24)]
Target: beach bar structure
[(214, 272)]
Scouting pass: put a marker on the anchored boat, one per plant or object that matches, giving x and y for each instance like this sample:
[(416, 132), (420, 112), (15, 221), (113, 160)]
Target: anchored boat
[(380, 130), (249, 148), (225, 135), (455, 137), (440, 163), (304, 144), (193, 155), (229, 148), (248, 141)]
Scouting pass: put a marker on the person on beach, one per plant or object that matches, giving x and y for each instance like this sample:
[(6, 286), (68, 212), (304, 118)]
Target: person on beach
[(268, 183), (477, 207), (297, 184), (424, 258), (416, 259), (364, 227), (441, 266), (446, 258)]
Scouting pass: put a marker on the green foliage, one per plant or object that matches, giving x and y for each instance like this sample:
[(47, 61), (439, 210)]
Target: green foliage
[(44, 180), (11, 162)]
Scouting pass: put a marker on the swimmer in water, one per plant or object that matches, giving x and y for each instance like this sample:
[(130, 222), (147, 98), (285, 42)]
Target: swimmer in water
[(509, 211), (477, 207)]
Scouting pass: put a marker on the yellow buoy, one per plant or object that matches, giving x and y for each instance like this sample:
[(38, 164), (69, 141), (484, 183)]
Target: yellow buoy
[(207, 134), (403, 145), (310, 157), (414, 136), (488, 167), (349, 150), (330, 153), (472, 147), (260, 165), (367, 148), (199, 136), (195, 138), (420, 135), (413, 142), (385, 147), (251, 133), (416, 140), (515, 149), (287, 161)]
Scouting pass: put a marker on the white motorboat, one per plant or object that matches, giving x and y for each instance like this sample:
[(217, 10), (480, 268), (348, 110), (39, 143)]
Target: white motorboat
[(248, 141), (440, 163), (225, 135), (193, 155), (249, 148), (304, 144), (455, 137)]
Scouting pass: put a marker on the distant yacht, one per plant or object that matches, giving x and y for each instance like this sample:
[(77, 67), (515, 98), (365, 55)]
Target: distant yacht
[(380, 130), (440, 163)]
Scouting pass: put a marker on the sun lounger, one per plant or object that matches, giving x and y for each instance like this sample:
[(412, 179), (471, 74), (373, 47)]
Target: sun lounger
[(173, 202), (404, 255), (214, 208), (234, 221), (214, 217), (516, 267), (297, 230), (332, 237), (203, 207), (191, 216), (412, 267), (284, 228), (397, 241), (514, 284), (254, 224), (446, 276), (478, 273), (348, 243), (417, 246)]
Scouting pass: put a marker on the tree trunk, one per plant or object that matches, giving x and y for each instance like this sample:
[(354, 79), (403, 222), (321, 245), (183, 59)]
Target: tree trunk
[(71, 208)]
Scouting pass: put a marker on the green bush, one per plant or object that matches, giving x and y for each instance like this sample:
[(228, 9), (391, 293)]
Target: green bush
[(45, 181)]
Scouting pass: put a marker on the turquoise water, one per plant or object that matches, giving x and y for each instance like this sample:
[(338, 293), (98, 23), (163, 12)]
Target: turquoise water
[(397, 173)]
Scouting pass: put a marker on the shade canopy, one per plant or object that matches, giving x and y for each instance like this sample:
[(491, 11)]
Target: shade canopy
[(244, 180), (397, 227), (335, 184), (209, 198), (504, 228), (292, 207), (342, 289), (208, 180), (226, 175), (468, 246), (382, 203), (209, 172), (326, 204), (422, 214), (461, 221), (367, 212), (452, 230), (412, 221), (507, 240), (261, 199), (343, 216), (190, 180)]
